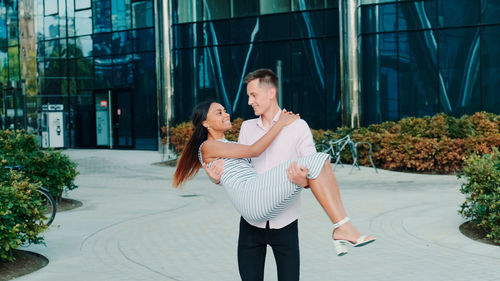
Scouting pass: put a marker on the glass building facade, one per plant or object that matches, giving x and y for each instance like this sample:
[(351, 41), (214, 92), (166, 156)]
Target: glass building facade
[(96, 58), (122, 69)]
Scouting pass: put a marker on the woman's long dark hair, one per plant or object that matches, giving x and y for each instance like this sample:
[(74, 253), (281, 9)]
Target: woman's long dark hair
[(189, 164)]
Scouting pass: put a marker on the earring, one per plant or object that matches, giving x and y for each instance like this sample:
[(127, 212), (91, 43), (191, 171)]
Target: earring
[(208, 128)]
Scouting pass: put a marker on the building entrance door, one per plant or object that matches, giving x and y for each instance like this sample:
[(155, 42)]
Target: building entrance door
[(113, 118)]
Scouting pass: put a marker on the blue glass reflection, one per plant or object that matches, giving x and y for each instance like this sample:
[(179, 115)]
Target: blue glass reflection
[(122, 42), (144, 40), (142, 14), (120, 11), (103, 72), (102, 16), (83, 22), (102, 44), (83, 46), (123, 71)]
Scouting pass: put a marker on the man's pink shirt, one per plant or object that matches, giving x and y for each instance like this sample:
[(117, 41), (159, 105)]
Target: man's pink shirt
[(294, 141)]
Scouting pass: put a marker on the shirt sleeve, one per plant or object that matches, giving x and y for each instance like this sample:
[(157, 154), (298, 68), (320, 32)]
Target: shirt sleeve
[(305, 143)]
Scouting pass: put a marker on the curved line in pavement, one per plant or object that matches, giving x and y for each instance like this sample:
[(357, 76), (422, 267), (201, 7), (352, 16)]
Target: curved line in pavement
[(143, 265)]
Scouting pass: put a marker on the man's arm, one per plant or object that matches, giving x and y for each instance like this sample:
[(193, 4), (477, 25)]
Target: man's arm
[(305, 144)]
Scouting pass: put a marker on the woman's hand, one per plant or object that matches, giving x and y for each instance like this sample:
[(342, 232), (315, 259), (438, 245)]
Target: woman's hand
[(287, 118)]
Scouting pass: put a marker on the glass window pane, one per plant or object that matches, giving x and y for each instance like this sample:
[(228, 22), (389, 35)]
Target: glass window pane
[(82, 70), (103, 72), (123, 75), (83, 22), (274, 6), (490, 11), (332, 3), (13, 63), (122, 42), (216, 9), (51, 49), (142, 14), (144, 40), (378, 18), (102, 16), (120, 14), (3, 26), (4, 65), (307, 24), (80, 4), (300, 5), (50, 7), (276, 27), (187, 11), (417, 15), (243, 8), (418, 77), (83, 46), (490, 67), (51, 27), (12, 24), (459, 68), (458, 12), (102, 44)]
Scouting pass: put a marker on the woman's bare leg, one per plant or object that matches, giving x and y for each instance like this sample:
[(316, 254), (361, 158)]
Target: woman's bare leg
[(326, 190)]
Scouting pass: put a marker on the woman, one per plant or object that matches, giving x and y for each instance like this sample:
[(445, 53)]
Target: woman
[(261, 197)]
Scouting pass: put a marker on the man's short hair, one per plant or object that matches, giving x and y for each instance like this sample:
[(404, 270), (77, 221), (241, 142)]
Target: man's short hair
[(266, 76)]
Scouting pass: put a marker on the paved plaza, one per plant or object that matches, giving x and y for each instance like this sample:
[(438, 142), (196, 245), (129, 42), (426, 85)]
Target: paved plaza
[(134, 226)]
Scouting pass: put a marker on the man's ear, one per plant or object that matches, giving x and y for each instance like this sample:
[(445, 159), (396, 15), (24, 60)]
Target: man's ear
[(272, 93)]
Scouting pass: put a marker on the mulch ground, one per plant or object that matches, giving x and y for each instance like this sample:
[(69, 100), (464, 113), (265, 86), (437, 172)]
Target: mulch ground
[(26, 262), (470, 230)]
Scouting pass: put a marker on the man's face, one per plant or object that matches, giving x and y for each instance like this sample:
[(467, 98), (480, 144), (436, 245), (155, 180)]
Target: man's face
[(260, 97)]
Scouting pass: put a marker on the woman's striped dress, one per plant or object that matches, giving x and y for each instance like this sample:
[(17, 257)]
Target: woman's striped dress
[(260, 197)]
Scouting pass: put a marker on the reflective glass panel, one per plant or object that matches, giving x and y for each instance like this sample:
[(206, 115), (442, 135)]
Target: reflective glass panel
[(50, 7), (459, 57), (142, 14), (274, 6), (378, 18), (103, 72), (144, 40), (3, 27), (71, 18), (417, 15), (14, 63), (13, 24), (102, 16), (216, 9), (242, 29), (300, 5), (80, 4), (123, 75), (332, 3), (83, 72), (274, 27), (458, 12), (102, 44), (307, 24), (51, 49), (122, 42), (120, 14), (83, 22), (243, 8), (187, 11), (51, 24), (490, 11), (490, 68), (418, 79), (4, 65), (83, 46)]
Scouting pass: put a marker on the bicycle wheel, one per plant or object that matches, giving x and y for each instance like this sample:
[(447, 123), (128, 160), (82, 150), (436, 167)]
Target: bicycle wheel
[(49, 206), (321, 147)]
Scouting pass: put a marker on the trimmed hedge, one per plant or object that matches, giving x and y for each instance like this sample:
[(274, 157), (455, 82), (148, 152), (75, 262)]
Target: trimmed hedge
[(50, 168), (21, 214), (482, 190), (436, 144)]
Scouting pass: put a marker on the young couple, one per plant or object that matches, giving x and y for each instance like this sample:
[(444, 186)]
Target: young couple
[(264, 173)]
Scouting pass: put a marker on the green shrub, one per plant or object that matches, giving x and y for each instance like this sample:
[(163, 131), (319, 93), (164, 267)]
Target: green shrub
[(482, 190), (50, 168), (21, 214)]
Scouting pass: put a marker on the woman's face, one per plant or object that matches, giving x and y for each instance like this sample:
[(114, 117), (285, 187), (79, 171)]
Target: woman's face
[(217, 118)]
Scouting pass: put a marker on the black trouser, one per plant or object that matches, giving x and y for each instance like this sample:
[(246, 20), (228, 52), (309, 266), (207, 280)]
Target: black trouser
[(252, 245)]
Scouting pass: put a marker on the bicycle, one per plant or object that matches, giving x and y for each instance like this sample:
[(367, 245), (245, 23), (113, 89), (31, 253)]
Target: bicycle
[(335, 148), (48, 200)]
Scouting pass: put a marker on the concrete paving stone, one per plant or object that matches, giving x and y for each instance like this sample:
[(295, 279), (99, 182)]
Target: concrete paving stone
[(134, 226)]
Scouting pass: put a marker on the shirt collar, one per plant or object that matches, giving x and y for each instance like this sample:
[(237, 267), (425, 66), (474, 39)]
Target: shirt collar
[(275, 119)]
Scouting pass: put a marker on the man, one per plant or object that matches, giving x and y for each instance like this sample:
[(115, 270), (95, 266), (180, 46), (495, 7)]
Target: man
[(294, 141)]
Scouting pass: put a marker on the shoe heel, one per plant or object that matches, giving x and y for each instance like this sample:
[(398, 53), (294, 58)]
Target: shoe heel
[(340, 248)]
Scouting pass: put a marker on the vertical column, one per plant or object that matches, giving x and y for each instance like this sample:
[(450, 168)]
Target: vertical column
[(349, 63), (164, 87)]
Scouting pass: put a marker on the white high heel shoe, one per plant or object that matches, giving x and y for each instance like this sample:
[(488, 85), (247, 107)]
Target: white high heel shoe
[(340, 245)]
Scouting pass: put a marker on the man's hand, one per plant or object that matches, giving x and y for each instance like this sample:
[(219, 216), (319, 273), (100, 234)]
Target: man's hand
[(215, 171), (298, 175)]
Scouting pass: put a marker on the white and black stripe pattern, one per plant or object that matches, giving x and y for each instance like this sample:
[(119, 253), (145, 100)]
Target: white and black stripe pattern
[(261, 197)]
